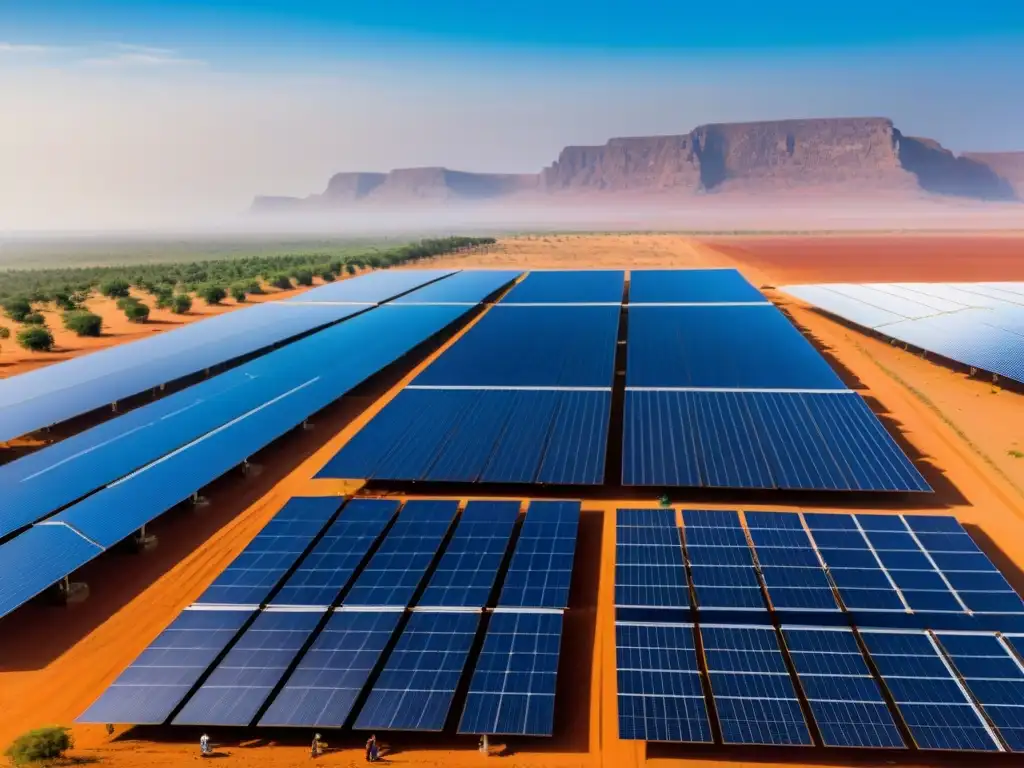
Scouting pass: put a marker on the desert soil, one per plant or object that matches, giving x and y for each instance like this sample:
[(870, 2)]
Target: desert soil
[(55, 661)]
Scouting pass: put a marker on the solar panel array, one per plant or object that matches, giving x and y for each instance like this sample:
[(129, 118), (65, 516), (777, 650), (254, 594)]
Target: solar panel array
[(691, 286), (978, 324), (868, 637), (569, 287), (338, 645)]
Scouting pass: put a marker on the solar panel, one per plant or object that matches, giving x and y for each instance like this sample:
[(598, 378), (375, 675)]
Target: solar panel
[(152, 687), (541, 568), (394, 573), (512, 690), (516, 346), (789, 564), (469, 286), (995, 677), (466, 574), (845, 699), (240, 684), (332, 563), (932, 702), (373, 287), (649, 569), (252, 575), (753, 692), (324, 687), (721, 565), (569, 287), (760, 440), (660, 695), (690, 286), (745, 347), (415, 690)]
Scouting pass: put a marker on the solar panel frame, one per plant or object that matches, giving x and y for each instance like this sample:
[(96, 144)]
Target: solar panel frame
[(372, 287), (650, 570), (469, 286), (690, 286), (776, 538), (330, 677), (590, 286), (414, 691), (540, 572), (721, 564), (512, 691)]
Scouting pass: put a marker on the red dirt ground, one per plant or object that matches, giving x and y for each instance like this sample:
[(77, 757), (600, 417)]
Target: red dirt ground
[(54, 662)]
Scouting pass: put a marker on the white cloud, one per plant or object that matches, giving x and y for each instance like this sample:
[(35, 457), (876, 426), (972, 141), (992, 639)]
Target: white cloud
[(23, 48), (142, 57)]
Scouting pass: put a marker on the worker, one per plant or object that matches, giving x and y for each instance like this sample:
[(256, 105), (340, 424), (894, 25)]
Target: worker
[(485, 748), (204, 745), (110, 729), (371, 749), (316, 749)]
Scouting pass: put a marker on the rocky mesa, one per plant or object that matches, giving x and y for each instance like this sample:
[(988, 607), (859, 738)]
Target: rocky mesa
[(826, 156)]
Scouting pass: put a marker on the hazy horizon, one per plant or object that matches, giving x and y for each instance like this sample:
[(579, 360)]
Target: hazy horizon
[(140, 116)]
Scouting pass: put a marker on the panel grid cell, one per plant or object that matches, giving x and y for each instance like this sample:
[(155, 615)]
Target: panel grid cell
[(252, 575), (649, 567), (754, 694), (329, 679), (242, 681), (585, 286), (721, 565), (465, 576), (396, 569), (789, 564), (540, 572), (415, 689), (845, 699), (512, 690), (931, 701), (660, 694)]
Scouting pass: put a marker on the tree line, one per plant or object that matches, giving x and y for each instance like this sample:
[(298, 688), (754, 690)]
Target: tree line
[(174, 286)]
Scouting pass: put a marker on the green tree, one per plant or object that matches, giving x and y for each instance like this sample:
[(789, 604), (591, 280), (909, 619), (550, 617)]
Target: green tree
[(126, 301), (34, 318), (254, 288), (36, 338), (83, 323), (181, 304), (137, 312), (238, 292), (5, 332), (39, 745), (350, 268), (63, 301), (282, 281), (327, 276), (115, 287), (212, 293), (303, 276), (17, 307), (164, 296)]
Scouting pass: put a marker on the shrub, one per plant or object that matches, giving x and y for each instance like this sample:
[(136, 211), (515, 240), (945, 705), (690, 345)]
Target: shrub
[(350, 268), (336, 266), (36, 339), (238, 292), (303, 276), (17, 307), (212, 293), (64, 301), (164, 297), (181, 304), (327, 276), (254, 288), (282, 281), (41, 744), (34, 318), (137, 312), (83, 323), (126, 301), (115, 287), (5, 332)]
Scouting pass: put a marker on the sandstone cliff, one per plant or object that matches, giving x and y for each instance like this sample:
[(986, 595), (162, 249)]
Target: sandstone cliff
[(829, 156)]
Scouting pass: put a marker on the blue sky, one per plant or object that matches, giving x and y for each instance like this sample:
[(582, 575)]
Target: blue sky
[(129, 108)]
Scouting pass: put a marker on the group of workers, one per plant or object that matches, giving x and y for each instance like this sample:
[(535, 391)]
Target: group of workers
[(315, 750)]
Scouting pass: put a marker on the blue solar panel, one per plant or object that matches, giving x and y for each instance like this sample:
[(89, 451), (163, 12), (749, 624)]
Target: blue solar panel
[(373, 287), (934, 705), (690, 286), (531, 347), (760, 440), (332, 563), (237, 687), (721, 565), (844, 698), (252, 575), (578, 441), (748, 347), (995, 677), (465, 576), (415, 690), (569, 287), (512, 690), (469, 286), (330, 677), (660, 695), (790, 566), (59, 392), (38, 558), (649, 569), (394, 573), (541, 568), (152, 687), (754, 695)]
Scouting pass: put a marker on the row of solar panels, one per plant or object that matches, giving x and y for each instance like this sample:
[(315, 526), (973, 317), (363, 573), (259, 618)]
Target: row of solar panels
[(879, 570), (334, 589), (948, 691), (978, 324), (145, 462)]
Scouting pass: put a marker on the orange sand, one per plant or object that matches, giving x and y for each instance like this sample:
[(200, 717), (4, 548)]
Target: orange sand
[(54, 662)]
